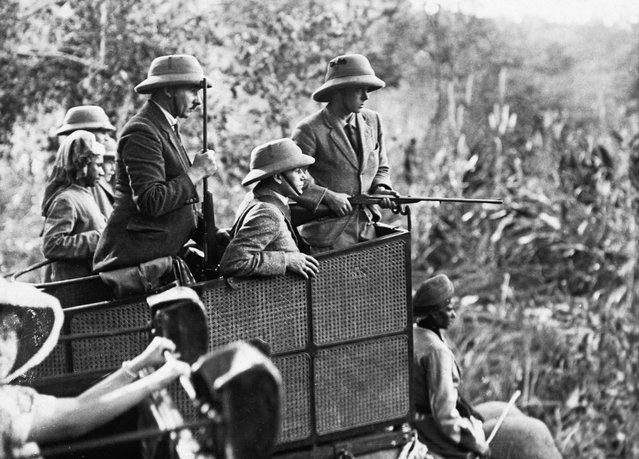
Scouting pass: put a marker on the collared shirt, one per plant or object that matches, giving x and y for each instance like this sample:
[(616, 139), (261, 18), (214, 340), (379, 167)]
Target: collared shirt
[(170, 118)]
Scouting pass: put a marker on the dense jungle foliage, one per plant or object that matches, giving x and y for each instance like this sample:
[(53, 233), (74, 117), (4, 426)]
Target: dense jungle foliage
[(540, 115)]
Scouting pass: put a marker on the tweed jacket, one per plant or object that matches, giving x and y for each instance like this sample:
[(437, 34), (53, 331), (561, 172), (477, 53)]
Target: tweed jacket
[(340, 168), (72, 227), (436, 383), (153, 214), (263, 237)]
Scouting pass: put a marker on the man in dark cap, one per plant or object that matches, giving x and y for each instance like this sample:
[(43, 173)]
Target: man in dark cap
[(347, 142), (92, 118), (154, 214), (264, 243), (446, 423)]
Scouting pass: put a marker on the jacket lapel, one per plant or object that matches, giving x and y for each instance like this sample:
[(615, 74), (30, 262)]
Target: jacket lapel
[(338, 136), (170, 134)]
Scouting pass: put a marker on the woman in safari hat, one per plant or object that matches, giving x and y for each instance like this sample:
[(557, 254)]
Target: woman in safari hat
[(154, 215), (73, 222), (264, 242), (30, 323), (347, 142)]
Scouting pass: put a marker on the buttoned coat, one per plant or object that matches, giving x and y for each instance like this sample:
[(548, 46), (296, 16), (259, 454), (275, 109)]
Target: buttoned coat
[(263, 237), (72, 227), (153, 215), (340, 168)]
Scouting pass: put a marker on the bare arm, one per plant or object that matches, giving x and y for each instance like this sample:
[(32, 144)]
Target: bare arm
[(107, 399)]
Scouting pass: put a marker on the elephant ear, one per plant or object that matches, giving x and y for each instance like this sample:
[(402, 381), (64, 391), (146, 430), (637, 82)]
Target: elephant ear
[(522, 437)]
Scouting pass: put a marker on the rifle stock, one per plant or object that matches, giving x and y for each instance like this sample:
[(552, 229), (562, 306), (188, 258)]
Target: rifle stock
[(301, 215), (209, 243)]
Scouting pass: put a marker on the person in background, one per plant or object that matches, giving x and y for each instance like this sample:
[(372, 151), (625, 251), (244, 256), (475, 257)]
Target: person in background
[(73, 222), (155, 190), (263, 241), (30, 322), (92, 118), (347, 142), (446, 423)]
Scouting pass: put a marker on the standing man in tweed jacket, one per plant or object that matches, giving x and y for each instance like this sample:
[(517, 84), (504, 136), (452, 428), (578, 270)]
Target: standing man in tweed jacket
[(264, 243), (155, 191), (347, 142)]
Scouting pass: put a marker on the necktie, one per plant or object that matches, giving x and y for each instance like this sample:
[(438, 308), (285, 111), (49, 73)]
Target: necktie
[(351, 133)]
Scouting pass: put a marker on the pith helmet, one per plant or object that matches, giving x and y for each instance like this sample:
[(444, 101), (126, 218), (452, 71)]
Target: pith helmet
[(347, 71), (432, 294), (173, 70), (85, 117), (275, 157)]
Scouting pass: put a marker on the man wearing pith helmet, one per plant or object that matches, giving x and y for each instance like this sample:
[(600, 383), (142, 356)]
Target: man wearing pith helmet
[(154, 214), (446, 423), (347, 142), (92, 118), (264, 243)]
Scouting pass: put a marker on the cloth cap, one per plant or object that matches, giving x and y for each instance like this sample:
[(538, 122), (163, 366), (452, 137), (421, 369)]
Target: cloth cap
[(275, 157), (347, 71), (40, 320), (84, 117), (432, 294), (173, 70)]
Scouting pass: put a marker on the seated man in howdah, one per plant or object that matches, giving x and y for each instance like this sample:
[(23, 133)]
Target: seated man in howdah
[(264, 243)]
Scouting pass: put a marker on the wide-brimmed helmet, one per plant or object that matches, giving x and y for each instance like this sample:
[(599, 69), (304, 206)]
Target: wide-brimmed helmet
[(173, 70), (87, 117), (275, 157), (349, 70)]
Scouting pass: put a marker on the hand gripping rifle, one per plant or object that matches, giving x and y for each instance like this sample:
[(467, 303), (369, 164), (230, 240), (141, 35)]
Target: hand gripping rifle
[(301, 215), (209, 241)]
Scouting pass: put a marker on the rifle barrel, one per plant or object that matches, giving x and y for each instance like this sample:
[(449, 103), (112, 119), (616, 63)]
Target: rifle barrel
[(374, 198)]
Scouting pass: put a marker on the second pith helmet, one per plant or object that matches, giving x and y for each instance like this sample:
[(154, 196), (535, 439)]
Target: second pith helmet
[(85, 117), (275, 157), (173, 70), (347, 71)]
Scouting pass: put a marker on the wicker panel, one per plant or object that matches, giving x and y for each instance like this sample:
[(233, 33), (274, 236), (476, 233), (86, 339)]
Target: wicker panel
[(273, 310), (360, 294), (90, 290), (296, 404), (109, 352), (55, 364), (296, 408), (361, 384)]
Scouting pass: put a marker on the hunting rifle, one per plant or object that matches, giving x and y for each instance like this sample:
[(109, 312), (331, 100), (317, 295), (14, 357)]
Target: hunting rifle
[(301, 215), (209, 240)]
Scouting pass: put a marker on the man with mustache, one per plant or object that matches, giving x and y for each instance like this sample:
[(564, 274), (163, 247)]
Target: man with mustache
[(347, 142), (155, 192)]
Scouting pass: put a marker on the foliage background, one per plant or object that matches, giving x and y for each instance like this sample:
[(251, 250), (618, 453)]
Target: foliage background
[(541, 115)]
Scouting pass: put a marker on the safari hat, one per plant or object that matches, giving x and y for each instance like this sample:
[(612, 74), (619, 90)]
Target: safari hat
[(347, 71), (275, 157), (432, 294), (173, 70), (39, 319), (84, 117)]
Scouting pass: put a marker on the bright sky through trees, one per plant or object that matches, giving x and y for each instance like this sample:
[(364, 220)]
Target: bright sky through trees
[(562, 11)]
